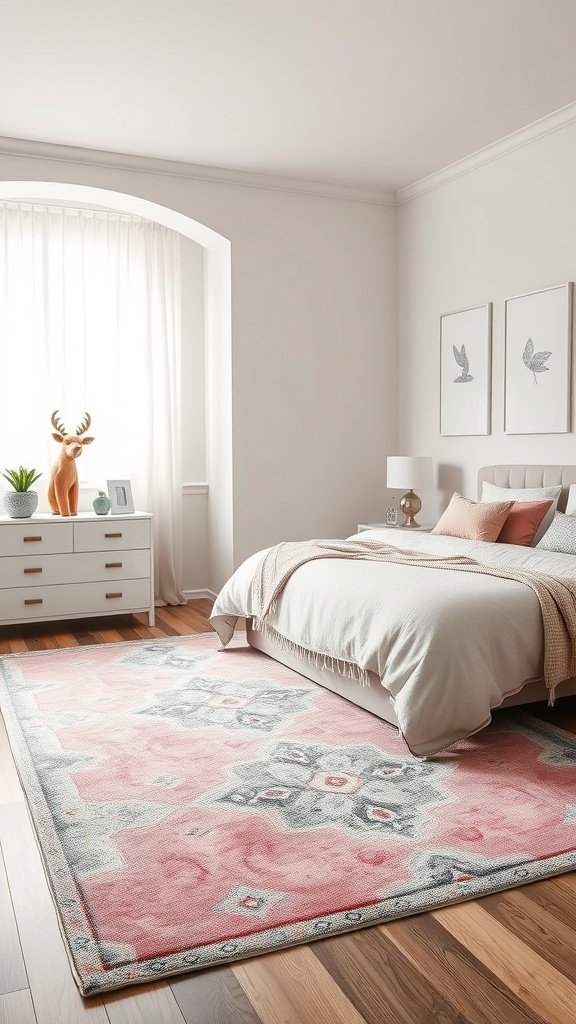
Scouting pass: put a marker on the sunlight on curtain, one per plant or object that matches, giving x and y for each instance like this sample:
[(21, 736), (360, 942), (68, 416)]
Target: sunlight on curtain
[(90, 321)]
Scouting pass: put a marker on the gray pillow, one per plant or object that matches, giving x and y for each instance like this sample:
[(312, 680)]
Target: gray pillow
[(491, 492), (561, 535)]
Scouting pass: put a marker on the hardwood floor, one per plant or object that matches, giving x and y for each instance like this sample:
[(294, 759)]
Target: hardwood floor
[(509, 958)]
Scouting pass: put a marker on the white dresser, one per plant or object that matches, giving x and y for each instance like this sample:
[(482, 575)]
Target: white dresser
[(59, 567)]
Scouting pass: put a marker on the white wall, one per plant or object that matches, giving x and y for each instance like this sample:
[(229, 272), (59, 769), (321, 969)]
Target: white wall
[(500, 230), (195, 497), (193, 400), (314, 408), (314, 308)]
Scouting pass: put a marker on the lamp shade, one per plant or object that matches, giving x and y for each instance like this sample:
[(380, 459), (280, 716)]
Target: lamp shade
[(409, 472)]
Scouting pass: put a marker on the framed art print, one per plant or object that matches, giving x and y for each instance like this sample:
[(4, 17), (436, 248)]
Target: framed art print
[(120, 494), (465, 361), (538, 360)]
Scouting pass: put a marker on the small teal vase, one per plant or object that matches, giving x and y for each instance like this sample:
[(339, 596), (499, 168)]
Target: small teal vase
[(101, 504)]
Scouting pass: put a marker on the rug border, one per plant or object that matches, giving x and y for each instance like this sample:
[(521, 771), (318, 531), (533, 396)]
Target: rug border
[(117, 643), (273, 939)]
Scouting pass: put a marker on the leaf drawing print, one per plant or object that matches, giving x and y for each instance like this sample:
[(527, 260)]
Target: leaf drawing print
[(462, 360), (535, 360)]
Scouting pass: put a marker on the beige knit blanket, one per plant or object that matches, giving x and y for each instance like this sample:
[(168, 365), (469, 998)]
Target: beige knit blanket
[(557, 597)]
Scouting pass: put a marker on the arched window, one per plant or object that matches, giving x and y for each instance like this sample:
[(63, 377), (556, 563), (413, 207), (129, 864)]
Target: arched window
[(90, 321)]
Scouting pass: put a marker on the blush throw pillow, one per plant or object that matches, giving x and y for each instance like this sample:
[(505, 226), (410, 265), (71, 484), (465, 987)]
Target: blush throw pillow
[(472, 520), (523, 521), (491, 492)]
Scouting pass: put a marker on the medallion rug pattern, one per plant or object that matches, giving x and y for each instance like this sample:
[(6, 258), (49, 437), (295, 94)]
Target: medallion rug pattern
[(195, 806)]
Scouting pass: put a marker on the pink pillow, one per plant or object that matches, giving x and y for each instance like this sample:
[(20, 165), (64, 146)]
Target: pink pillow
[(473, 520), (523, 521)]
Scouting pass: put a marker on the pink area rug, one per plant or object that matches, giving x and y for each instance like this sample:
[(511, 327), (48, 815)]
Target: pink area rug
[(195, 806)]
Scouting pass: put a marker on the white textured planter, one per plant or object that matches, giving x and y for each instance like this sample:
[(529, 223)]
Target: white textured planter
[(20, 504)]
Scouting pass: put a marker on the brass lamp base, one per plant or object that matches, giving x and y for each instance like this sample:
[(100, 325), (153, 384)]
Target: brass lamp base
[(410, 506)]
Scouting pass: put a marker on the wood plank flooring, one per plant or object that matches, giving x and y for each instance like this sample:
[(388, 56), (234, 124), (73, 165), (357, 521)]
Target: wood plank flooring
[(509, 958)]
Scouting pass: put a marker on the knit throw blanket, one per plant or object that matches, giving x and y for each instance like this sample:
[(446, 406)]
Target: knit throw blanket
[(557, 596)]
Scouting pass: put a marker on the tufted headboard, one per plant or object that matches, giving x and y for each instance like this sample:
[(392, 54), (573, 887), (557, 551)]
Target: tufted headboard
[(529, 476)]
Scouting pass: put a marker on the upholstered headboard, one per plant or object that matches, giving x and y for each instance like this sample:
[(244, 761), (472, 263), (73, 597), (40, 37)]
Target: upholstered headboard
[(529, 476)]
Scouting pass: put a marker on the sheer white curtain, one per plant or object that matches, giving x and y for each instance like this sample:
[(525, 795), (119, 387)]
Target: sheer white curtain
[(90, 321)]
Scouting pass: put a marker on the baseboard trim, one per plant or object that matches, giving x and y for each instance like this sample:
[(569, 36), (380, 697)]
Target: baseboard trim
[(194, 595)]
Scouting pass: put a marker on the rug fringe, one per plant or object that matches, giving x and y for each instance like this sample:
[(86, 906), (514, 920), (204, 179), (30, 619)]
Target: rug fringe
[(348, 669)]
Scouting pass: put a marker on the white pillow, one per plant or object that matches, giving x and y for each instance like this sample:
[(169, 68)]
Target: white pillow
[(571, 503), (561, 535), (491, 492)]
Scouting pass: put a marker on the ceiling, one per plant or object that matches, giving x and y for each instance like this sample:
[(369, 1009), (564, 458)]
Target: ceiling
[(366, 93)]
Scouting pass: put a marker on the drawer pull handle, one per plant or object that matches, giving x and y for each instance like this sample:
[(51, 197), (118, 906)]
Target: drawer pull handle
[(28, 539), (116, 594), (33, 600), (32, 570), (113, 565), (110, 535)]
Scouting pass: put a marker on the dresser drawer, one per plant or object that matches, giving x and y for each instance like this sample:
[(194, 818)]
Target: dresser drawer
[(74, 601), (112, 534), (35, 538), (85, 567)]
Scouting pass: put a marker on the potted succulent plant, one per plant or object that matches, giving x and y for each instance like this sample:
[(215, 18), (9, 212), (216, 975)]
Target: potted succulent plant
[(21, 503)]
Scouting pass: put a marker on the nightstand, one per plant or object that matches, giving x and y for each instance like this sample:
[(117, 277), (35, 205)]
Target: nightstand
[(386, 526)]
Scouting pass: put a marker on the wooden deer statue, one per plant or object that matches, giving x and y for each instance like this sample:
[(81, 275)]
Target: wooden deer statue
[(63, 486)]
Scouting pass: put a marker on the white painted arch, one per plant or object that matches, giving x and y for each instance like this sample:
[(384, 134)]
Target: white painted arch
[(218, 320)]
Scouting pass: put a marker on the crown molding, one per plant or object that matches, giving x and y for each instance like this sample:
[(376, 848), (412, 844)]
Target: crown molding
[(197, 172), (218, 175), (516, 140)]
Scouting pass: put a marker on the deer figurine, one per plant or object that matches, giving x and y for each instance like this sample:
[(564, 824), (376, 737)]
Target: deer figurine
[(63, 486)]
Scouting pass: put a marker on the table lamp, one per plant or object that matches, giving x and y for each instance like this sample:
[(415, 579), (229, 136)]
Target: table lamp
[(409, 471)]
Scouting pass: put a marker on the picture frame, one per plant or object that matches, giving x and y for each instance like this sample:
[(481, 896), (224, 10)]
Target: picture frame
[(537, 364), (465, 371), (120, 494)]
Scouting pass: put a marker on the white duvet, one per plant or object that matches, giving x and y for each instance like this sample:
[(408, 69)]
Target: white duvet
[(448, 646)]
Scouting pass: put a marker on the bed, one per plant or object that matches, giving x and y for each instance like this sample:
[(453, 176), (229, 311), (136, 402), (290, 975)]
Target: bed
[(436, 679)]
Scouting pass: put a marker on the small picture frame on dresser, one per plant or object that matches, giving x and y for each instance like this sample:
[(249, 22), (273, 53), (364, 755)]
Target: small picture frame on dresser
[(120, 494)]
